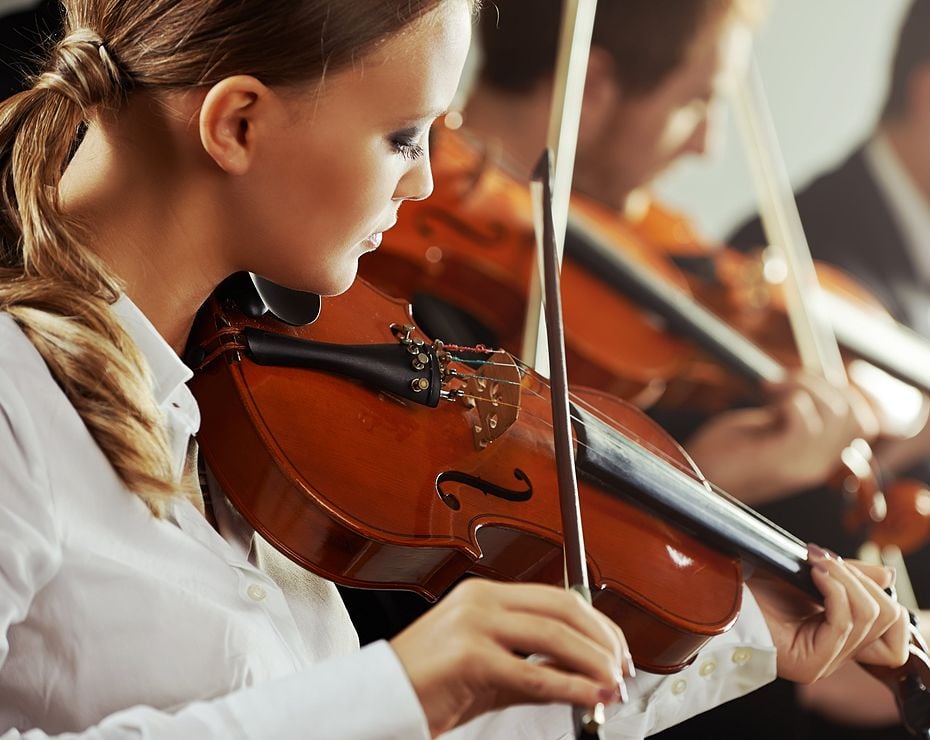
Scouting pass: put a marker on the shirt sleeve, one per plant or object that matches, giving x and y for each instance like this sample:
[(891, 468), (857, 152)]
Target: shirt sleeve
[(732, 664), (363, 695), (360, 697)]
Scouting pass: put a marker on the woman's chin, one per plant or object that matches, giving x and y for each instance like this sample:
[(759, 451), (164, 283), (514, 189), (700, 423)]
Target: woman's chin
[(337, 283), (328, 279)]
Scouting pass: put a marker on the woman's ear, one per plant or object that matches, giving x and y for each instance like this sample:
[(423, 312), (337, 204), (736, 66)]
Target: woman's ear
[(229, 118)]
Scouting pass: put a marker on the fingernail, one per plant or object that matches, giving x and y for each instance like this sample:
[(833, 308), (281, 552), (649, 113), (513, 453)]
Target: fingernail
[(624, 694), (817, 552), (620, 690), (831, 554), (894, 576), (631, 669)]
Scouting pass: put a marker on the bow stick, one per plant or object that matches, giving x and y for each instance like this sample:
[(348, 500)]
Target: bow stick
[(587, 721), (567, 93)]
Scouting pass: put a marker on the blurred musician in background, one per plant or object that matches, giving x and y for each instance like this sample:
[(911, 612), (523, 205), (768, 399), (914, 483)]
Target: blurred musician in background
[(870, 215)]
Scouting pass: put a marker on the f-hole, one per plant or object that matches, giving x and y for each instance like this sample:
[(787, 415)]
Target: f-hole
[(486, 487)]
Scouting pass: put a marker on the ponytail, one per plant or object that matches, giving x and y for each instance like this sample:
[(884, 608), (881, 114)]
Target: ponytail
[(56, 289)]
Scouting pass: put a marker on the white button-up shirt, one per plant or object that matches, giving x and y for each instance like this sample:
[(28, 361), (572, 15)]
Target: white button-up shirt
[(114, 624)]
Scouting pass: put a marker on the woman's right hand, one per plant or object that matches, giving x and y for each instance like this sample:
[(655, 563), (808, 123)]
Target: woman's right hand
[(464, 656)]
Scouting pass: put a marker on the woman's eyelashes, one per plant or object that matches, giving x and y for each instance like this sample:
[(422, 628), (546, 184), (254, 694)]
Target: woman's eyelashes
[(407, 144)]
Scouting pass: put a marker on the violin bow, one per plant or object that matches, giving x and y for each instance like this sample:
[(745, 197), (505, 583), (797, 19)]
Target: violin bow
[(587, 721), (551, 211), (817, 345), (567, 94)]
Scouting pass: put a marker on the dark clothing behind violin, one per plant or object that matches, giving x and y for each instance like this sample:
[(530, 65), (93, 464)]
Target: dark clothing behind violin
[(848, 223)]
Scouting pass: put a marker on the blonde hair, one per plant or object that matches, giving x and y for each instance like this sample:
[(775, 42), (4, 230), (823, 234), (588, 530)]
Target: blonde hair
[(55, 288)]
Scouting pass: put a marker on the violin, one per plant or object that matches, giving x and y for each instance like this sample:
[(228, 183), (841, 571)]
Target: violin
[(624, 300), (399, 461)]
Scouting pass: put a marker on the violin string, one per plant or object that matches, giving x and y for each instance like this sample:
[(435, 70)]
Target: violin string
[(503, 381), (616, 423), (523, 369), (467, 361), (713, 489), (631, 436)]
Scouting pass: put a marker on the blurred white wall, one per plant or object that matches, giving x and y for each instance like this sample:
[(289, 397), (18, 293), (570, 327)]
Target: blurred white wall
[(824, 64)]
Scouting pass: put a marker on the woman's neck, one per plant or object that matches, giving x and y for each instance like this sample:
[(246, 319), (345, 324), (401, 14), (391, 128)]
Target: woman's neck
[(155, 231)]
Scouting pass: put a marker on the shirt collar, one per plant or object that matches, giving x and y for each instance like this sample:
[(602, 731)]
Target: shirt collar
[(169, 373), (908, 208)]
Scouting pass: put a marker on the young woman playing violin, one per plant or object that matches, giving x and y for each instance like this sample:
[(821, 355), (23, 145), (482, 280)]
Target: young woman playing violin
[(167, 145)]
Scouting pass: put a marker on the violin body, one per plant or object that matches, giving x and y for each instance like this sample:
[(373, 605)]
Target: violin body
[(369, 489)]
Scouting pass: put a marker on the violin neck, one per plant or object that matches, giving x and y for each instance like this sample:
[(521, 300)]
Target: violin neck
[(616, 463), (681, 313)]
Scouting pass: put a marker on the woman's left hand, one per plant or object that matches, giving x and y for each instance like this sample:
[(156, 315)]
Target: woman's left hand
[(858, 619)]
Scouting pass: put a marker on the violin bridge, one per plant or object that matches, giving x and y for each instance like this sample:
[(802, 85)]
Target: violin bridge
[(495, 391)]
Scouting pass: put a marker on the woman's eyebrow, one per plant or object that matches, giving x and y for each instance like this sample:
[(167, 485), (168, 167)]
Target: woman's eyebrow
[(414, 122)]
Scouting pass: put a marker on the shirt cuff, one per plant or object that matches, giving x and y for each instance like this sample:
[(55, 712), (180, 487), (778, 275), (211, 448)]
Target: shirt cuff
[(363, 695), (730, 665)]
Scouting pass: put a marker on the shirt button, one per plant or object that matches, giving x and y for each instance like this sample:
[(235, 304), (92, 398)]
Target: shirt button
[(255, 592), (679, 686), (707, 668), (741, 656)]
